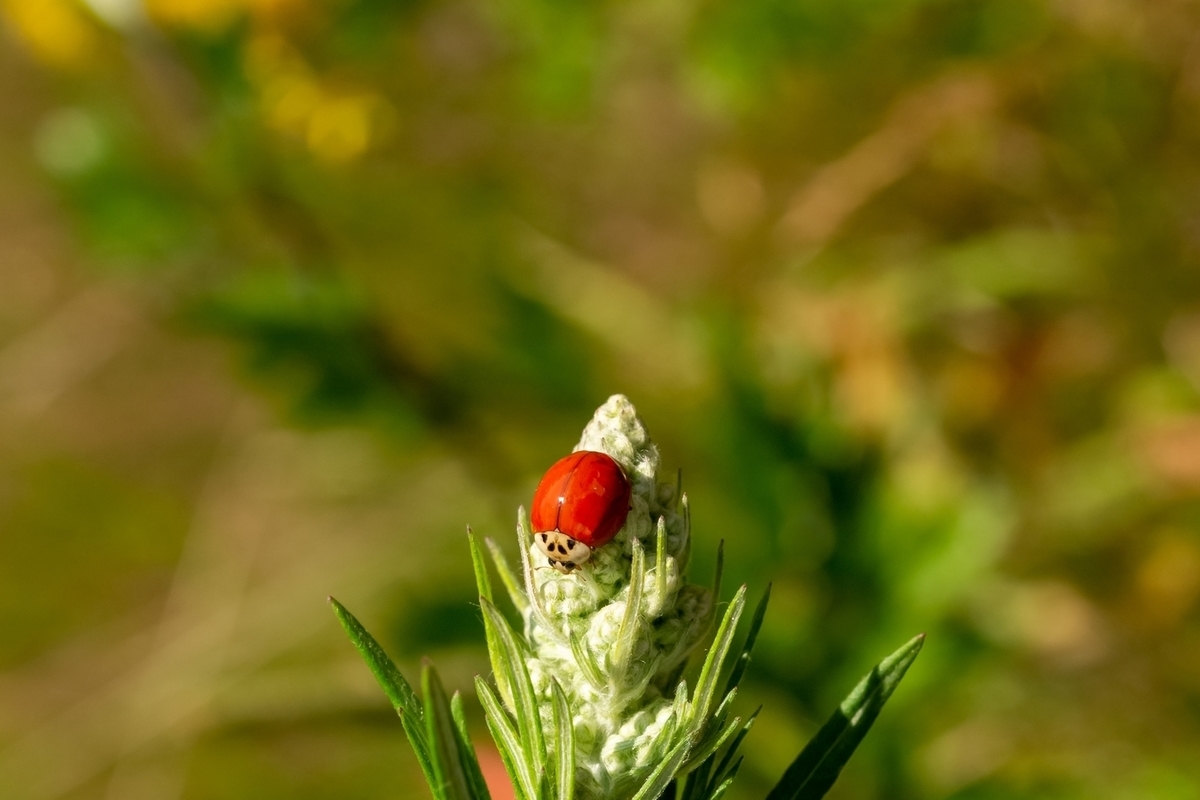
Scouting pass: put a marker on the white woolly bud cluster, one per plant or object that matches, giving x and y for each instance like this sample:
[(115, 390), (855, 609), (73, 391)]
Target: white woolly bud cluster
[(614, 633)]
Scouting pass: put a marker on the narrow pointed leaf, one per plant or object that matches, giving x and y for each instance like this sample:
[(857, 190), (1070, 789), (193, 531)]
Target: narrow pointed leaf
[(743, 659), (684, 557), (668, 734), (719, 571), (660, 567), (564, 743), (701, 782), (719, 792), (708, 748), (525, 706), (631, 620), (709, 733), (484, 585), (680, 708), (470, 761), (677, 722), (507, 741), (814, 771), (720, 772), (479, 564), (706, 684), (515, 593), (658, 780), (397, 689), (587, 665), (451, 775)]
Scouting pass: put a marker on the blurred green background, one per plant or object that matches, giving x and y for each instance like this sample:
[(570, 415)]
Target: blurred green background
[(292, 291)]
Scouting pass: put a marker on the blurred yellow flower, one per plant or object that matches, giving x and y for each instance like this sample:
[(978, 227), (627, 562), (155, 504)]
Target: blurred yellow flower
[(337, 124), (215, 15), (207, 15), (340, 128), (57, 32)]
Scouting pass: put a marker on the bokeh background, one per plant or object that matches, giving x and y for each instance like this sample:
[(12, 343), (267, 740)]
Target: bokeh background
[(291, 291)]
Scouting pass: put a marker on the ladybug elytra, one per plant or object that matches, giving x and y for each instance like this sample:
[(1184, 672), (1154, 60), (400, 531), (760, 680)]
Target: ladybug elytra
[(580, 504)]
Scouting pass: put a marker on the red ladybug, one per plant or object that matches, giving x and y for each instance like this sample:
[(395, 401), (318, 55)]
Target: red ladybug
[(580, 505)]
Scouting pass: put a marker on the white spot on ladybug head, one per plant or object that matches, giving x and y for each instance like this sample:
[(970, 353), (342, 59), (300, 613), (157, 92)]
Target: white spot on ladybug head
[(562, 552)]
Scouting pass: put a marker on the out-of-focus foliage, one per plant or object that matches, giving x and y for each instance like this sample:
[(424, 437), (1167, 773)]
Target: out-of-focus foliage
[(909, 290)]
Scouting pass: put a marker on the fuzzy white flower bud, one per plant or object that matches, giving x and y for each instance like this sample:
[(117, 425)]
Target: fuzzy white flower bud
[(635, 629)]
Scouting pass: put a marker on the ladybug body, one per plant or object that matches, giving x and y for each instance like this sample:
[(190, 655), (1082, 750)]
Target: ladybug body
[(580, 504)]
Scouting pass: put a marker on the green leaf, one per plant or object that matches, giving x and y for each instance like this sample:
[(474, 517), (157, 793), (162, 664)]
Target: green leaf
[(525, 701), (680, 708), (660, 567), (587, 665), (719, 792), (482, 581), (450, 773), (397, 689), (507, 741), (719, 733), (484, 584), (664, 773), (708, 782), (743, 659), (814, 771), (631, 620), (467, 750), (724, 770), (515, 593), (564, 743), (706, 684), (719, 570)]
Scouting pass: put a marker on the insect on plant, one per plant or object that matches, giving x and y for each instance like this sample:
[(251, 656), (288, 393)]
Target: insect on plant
[(593, 699)]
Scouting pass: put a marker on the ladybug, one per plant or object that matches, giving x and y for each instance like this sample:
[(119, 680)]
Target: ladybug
[(580, 504)]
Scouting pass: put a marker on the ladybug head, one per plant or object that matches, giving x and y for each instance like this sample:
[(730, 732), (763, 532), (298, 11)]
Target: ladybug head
[(562, 552)]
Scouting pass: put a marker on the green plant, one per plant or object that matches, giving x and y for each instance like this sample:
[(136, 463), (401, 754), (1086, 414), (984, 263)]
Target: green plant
[(589, 700)]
